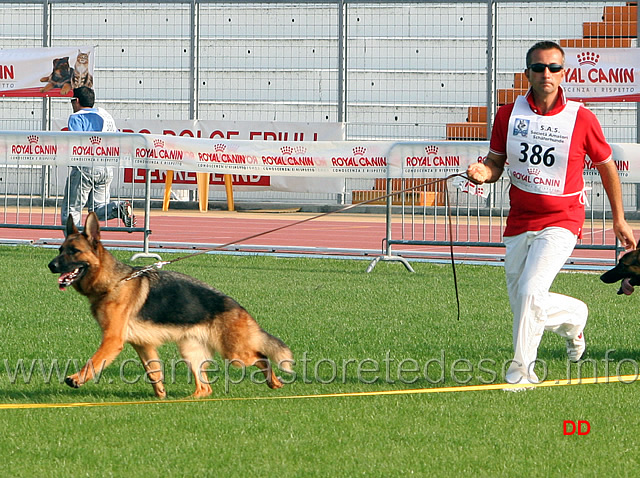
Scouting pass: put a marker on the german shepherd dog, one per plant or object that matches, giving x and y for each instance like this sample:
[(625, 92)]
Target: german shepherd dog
[(160, 306), (628, 267)]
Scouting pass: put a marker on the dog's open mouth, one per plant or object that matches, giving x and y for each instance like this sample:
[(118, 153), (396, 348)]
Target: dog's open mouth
[(68, 278)]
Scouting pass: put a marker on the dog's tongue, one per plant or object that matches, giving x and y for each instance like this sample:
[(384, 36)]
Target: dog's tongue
[(67, 278), (62, 282)]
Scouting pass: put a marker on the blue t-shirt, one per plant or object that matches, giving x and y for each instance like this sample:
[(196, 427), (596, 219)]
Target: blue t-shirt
[(91, 119)]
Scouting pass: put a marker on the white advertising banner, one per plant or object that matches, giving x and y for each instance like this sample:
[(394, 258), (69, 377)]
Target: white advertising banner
[(234, 130), (602, 74), (319, 159), (39, 72)]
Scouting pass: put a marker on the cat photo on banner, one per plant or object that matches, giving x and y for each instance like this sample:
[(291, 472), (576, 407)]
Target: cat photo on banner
[(81, 74)]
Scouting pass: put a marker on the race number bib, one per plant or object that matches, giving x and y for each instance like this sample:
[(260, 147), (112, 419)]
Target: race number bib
[(538, 148)]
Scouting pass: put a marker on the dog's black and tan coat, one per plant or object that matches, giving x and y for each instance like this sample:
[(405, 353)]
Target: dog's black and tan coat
[(157, 307)]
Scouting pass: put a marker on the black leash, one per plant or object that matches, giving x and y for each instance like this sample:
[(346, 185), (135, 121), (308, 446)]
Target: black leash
[(160, 264)]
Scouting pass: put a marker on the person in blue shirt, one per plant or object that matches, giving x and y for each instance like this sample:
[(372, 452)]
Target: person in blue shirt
[(89, 186)]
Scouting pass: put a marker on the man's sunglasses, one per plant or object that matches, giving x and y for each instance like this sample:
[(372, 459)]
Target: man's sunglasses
[(539, 67)]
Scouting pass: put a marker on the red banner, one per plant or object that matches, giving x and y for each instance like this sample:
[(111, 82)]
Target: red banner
[(189, 177)]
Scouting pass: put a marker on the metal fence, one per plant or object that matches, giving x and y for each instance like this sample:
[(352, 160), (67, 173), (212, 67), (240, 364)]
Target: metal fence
[(402, 70)]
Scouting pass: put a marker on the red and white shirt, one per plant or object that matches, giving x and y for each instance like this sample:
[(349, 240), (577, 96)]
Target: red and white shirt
[(545, 157)]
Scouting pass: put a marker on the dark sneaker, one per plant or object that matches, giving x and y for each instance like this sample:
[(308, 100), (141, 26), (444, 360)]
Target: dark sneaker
[(125, 212)]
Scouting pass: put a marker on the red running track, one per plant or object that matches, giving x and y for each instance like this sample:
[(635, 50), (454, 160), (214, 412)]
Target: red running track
[(336, 231)]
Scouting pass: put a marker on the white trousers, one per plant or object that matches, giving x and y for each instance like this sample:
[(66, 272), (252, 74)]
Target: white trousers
[(532, 261)]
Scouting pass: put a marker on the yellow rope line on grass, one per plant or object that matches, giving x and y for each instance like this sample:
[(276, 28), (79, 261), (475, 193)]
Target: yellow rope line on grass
[(468, 388)]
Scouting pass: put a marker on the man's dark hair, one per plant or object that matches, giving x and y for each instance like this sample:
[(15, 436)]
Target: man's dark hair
[(544, 45), (85, 96)]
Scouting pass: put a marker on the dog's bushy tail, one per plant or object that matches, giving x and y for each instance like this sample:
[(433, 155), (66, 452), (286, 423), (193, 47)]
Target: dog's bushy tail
[(277, 351)]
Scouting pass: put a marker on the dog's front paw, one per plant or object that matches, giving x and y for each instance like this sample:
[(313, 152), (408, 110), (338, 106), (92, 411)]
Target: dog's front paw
[(160, 392), (73, 381)]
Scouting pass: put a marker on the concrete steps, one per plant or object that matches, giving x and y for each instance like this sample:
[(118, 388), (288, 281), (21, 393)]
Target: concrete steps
[(616, 30)]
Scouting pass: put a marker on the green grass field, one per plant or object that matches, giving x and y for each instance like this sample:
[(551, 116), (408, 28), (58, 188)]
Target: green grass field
[(349, 332)]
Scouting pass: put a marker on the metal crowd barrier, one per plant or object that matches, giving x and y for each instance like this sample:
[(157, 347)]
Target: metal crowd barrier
[(478, 223), (31, 197)]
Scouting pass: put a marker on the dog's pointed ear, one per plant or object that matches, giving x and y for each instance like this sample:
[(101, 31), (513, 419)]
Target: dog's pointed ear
[(71, 227), (92, 228)]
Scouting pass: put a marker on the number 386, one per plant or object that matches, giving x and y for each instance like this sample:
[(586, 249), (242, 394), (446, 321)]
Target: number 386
[(536, 155)]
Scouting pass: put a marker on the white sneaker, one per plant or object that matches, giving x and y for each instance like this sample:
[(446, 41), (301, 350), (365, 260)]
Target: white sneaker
[(522, 384), (576, 347), (512, 388)]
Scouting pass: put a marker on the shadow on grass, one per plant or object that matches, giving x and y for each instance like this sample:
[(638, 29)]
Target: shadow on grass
[(68, 395)]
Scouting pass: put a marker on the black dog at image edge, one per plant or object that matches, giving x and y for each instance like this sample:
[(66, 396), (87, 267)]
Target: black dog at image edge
[(628, 267)]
